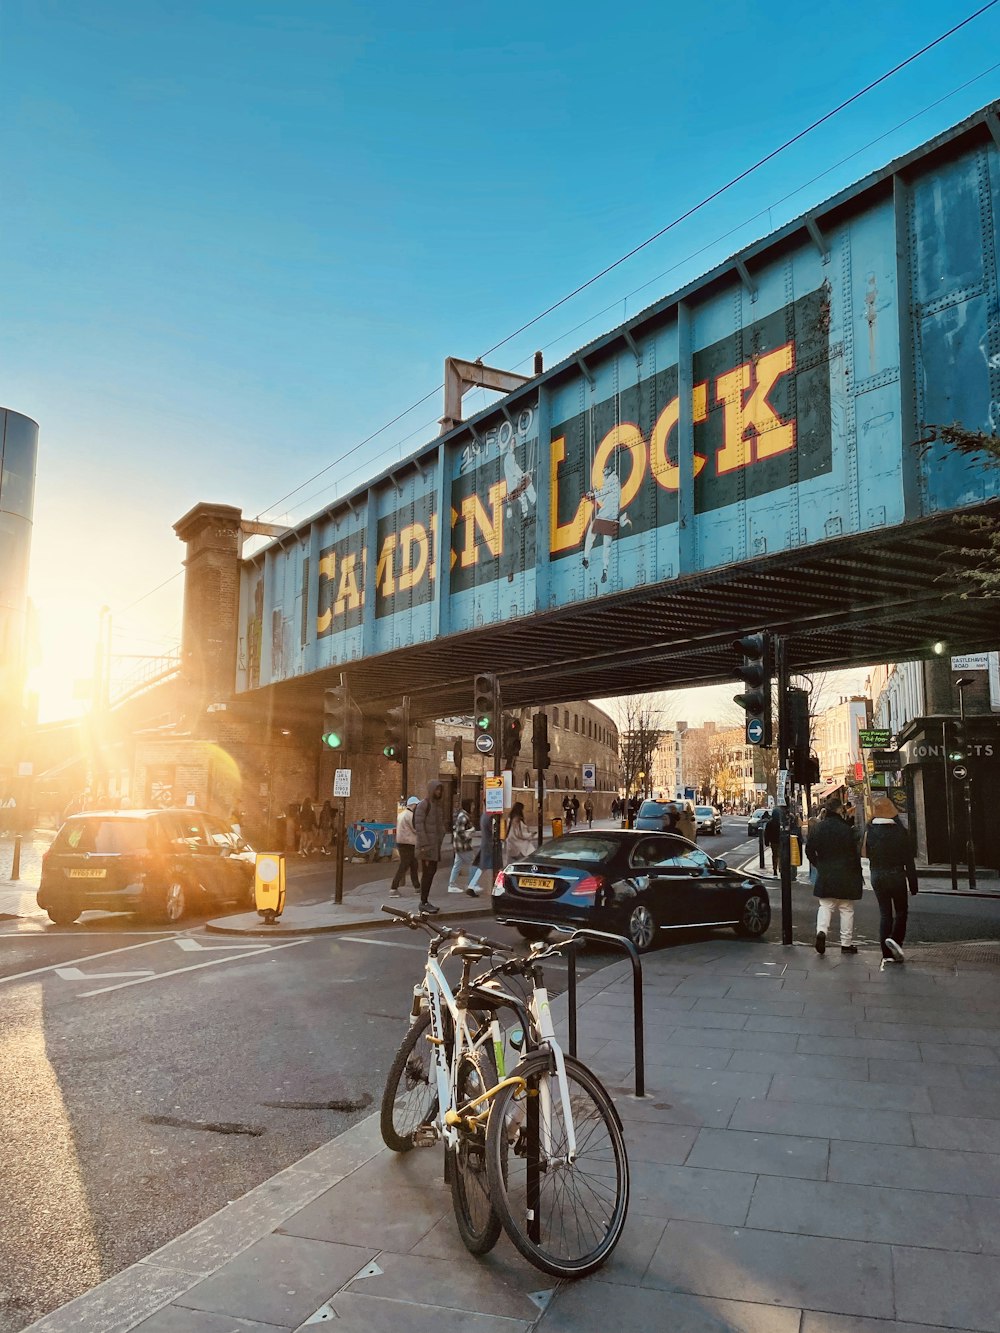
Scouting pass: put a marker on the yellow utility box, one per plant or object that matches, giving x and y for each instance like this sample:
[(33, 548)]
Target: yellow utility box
[(557, 826), (269, 885)]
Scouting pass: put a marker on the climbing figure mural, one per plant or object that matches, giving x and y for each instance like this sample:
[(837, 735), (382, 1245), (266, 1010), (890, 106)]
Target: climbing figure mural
[(608, 518)]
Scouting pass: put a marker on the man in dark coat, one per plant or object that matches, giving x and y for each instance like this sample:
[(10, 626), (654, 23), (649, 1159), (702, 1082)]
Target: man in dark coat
[(428, 822), (833, 850), (887, 847)]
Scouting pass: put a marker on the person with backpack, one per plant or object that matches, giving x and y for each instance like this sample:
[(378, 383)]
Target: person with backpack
[(833, 850), (406, 846), (461, 834)]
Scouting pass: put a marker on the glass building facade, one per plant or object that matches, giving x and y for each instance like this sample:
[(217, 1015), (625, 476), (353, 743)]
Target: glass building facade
[(18, 456)]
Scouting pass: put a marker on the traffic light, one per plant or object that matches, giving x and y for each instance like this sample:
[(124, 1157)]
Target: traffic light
[(958, 748), (798, 719), (510, 737), (336, 716), (805, 768), (396, 728), (541, 755), (755, 670), (484, 707)]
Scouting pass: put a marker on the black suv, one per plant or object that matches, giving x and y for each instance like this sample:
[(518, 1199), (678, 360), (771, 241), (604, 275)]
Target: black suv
[(160, 863)]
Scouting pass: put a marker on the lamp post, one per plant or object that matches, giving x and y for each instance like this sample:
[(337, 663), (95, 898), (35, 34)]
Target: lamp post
[(970, 847)]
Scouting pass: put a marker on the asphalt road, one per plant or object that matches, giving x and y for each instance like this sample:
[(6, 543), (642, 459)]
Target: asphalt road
[(151, 1077)]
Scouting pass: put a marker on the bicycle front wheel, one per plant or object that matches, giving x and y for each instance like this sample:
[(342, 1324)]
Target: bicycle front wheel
[(564, 1217), (478, 1223), (410, 1098)]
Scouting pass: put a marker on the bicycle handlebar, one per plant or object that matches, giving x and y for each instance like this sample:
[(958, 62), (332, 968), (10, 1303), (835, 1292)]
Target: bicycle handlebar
[(414, 920)]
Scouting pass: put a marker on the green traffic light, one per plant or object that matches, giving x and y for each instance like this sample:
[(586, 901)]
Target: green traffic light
[(483, 723), (332, 740)]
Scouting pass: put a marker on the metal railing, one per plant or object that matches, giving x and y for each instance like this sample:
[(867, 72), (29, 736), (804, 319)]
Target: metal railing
[(619, 941)]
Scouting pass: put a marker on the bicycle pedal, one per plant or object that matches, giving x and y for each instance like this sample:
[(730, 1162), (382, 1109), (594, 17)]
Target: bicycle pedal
[(425, 1136)]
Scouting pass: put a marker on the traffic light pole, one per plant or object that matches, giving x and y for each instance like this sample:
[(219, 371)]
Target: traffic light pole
[(949, 806), (970, 846), (497, 771), (404, 776), (784, 859)]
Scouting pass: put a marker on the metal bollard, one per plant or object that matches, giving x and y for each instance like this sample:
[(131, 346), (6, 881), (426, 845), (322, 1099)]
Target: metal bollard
[(15, 869)]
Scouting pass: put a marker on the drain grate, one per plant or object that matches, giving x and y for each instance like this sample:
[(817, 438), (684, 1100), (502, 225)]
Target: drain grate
[(985, 954)]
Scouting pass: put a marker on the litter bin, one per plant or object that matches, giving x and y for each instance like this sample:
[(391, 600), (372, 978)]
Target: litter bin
[(557, 826)]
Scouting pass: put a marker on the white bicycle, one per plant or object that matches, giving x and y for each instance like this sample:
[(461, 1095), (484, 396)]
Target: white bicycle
[(538, 1151)]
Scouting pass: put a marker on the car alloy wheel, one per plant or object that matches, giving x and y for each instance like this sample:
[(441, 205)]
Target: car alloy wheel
[(174, 902), (756, 916), (641, 927)]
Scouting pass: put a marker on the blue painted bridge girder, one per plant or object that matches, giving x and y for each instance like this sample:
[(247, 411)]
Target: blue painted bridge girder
[(744, 454)]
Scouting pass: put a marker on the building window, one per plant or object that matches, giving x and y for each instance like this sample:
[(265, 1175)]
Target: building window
[(566, 719)]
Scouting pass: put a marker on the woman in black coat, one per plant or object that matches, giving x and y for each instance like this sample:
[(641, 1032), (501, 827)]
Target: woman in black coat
[(833, 850), (887, 847)]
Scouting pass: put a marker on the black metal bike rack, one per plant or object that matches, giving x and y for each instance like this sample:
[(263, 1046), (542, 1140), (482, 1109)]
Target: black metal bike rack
[(622, 943)]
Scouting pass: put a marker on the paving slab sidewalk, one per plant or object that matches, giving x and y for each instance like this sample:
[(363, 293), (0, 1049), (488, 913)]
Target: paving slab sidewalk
[(817, 1153)]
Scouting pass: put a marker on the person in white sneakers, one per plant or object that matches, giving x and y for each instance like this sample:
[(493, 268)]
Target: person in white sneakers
[(461, 834), (833, 850), (887, 846)]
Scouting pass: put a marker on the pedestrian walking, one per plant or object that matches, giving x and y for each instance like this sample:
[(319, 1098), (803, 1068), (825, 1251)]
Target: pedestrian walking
[(575, 806), (325, 824), (428, 821), (588, 810), (307, 828), (521, 842), (292, 828), (483, 860), (887, 847), (615, 807), (772, 839), (833, 850), (406, 846), (567, 806), (461, 836)]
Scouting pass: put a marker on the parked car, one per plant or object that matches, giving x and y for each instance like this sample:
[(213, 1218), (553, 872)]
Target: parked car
[(759, 816), (709, 819), (655, 815), (628, 882), (159, 863)]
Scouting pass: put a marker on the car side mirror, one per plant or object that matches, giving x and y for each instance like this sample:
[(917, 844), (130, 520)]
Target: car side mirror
[(719, 864)]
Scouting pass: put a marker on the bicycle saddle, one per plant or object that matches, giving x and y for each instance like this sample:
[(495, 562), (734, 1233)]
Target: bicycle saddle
[(471, 950)]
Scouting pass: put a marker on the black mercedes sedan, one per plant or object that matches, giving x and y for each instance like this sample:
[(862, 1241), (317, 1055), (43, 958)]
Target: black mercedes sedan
[(628, 882)]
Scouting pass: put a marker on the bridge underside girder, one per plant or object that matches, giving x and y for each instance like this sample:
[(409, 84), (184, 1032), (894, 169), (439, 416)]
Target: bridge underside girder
[(883, 597)]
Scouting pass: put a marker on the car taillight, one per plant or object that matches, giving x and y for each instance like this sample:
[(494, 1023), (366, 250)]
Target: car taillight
[(501, 884), (587, 888)]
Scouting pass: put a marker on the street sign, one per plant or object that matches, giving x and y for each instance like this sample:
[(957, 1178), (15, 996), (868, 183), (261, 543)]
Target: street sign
[(959, 772), (589, 776), (755, 731), (885, 761), (782, 787), (342, 782), (876, 738), (494, 795), (484, 742)]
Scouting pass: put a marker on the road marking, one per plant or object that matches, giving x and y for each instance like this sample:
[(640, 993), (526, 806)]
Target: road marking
[(178, 971), (108, 953), (386, 944), (193, 946), (74, 974)]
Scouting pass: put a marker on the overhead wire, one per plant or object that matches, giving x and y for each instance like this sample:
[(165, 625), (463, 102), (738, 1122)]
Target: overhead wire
[(609, 268), (682, 217)]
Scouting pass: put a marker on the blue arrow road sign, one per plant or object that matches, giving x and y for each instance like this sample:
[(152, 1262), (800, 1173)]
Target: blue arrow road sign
[(755, 731)]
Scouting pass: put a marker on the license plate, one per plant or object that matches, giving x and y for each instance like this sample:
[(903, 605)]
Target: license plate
[(534, 882), (87, 874)]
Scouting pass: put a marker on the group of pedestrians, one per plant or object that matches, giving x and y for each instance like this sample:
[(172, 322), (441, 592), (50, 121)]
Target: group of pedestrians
[(835, 855), (308, 831), (420, 831)]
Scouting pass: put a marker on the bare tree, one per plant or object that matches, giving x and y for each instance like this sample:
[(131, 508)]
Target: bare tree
[(640, 729)]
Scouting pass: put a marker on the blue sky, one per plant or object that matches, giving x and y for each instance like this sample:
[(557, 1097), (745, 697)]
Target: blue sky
[(239, 238)]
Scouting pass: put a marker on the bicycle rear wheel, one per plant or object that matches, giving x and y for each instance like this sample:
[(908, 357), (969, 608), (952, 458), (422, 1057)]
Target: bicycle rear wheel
[(410, 1098), (478, 1223), (578, 1215)]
